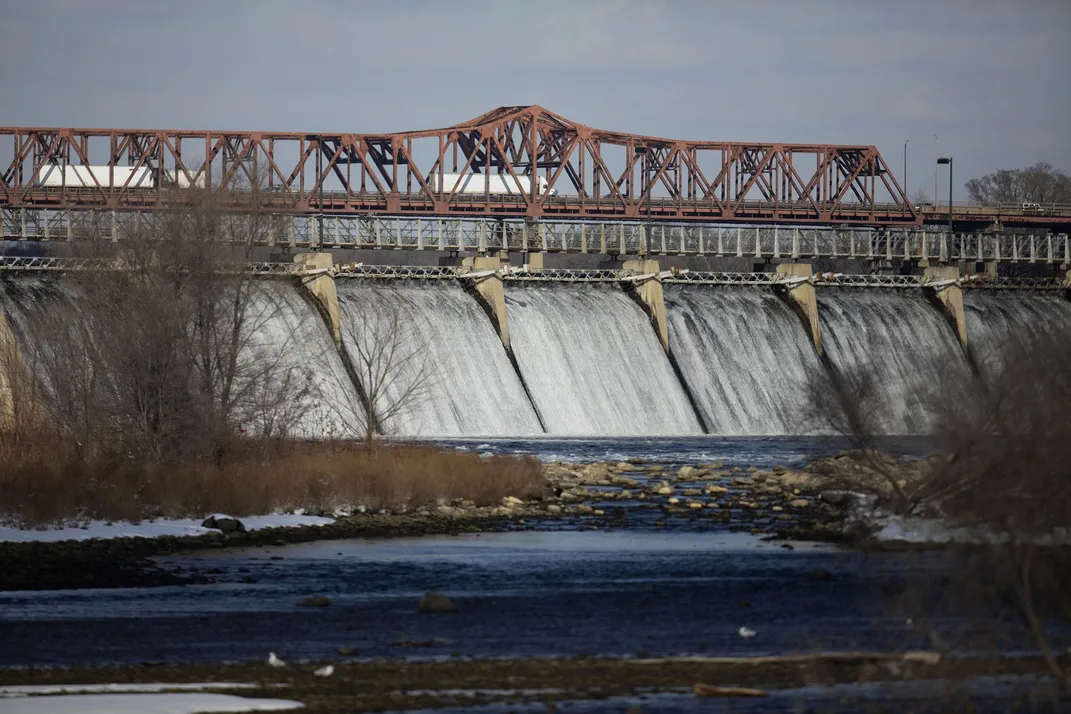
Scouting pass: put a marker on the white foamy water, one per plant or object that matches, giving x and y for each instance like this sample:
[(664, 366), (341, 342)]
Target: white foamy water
[(897, 336), (996, 317), (745, 356), (592, 363), (450, 348), (294, 343)]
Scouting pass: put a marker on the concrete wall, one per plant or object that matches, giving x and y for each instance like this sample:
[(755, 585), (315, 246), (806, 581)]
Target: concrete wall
[(804, 299), (490, 290), (951, 298), (322, 287), (649, 292)]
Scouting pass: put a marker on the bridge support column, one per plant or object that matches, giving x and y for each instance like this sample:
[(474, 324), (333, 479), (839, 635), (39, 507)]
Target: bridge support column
[(803, 296), (950, 296), (492, 294), (320, 282), (534, 261), (649, 293)]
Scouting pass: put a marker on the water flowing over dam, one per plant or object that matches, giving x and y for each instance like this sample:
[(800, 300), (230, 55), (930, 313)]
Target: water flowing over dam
[(289, 339), (899, 338), (592, 363), (994, 317), (469, 386), (744, 357)]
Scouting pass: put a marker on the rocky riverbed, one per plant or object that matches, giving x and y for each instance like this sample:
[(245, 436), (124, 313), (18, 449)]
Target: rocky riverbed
[(779, 503)]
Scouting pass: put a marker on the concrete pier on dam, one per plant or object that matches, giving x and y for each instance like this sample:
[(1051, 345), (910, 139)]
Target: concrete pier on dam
[(636, 347)]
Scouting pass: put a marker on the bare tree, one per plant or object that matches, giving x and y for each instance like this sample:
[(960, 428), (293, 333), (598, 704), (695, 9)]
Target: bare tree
[(1040, 183), (919, 198), (389, 358), (166, 354)]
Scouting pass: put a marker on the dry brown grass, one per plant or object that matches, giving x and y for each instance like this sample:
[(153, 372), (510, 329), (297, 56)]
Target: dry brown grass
[(40, 484)]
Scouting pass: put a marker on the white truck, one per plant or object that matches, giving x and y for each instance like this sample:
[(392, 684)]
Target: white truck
[(90, 176), (495, 184)]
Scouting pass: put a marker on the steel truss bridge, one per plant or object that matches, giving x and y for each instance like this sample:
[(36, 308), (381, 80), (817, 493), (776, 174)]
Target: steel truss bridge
[(56, 266), (590, 175), (618, 238)]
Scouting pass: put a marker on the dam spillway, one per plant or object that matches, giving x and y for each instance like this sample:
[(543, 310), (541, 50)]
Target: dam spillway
[(581, 355), (592, 363), (744, 357), (469, 387), (995, 317), (900, 339)]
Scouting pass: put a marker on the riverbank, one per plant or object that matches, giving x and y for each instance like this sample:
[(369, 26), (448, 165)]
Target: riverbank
[(775, 503), (390, 685)]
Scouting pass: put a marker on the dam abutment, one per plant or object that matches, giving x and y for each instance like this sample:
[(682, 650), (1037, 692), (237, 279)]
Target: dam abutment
[(646, 287), (804, 300)]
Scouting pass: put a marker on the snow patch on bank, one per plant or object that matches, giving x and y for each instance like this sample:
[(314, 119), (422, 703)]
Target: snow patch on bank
[(145, 704), (151, 528), (23, 690)]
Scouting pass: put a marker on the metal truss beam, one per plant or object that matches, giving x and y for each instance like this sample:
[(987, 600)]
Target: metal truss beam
[(586, 173)]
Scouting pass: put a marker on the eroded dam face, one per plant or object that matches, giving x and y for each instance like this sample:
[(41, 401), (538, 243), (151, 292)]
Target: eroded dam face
[(586, 358)]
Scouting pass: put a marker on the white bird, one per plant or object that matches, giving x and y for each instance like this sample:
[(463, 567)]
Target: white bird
[(325, 671), (746, 633), (275, 661)]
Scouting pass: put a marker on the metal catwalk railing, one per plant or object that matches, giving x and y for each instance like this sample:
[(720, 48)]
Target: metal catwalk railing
[(548, 236), (55, 265)]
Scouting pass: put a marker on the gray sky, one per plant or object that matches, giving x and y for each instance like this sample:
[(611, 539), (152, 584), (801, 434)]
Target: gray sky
[(990, 79)]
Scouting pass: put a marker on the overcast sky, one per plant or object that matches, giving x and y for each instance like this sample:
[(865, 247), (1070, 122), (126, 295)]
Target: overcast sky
[(992, 79)]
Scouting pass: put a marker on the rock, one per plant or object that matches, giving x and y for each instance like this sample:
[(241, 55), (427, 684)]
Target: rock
[(664, 490), (673, 501), (656, 468), (436, 602), (512, 501), (226, 524), (695, 504), (347, 651), (779, 469), (552, 508), (716, 489), (836, 498), (624, 466), (716, 465), (799, 503), (598, 512), (752, 469), (686, 472), (777, 508), (584, 510), (315, 601), (692, 492)]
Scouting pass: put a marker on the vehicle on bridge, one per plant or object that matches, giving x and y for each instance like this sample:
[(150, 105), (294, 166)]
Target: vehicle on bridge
[(57, 176), (493, 184)]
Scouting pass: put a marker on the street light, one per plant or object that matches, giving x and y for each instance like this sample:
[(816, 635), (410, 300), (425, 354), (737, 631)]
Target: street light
[(905, 168), (948, 160)]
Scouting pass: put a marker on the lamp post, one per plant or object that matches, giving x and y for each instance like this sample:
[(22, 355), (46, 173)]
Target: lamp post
[(948, 160), (905, 169), (935, 172)]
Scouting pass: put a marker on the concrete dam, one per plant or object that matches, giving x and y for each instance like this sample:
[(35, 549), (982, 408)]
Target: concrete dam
[(577, 353)]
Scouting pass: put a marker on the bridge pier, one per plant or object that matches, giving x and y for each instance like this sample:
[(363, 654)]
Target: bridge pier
[(320, 283), (648, 290), (950, 296), (491, 292), (804, 298)]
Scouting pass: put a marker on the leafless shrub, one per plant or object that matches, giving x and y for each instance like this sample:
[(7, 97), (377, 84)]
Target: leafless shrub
[(999, 469)]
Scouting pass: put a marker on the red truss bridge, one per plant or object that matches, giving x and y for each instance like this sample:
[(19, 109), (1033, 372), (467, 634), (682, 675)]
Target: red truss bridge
[(510, 163)]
